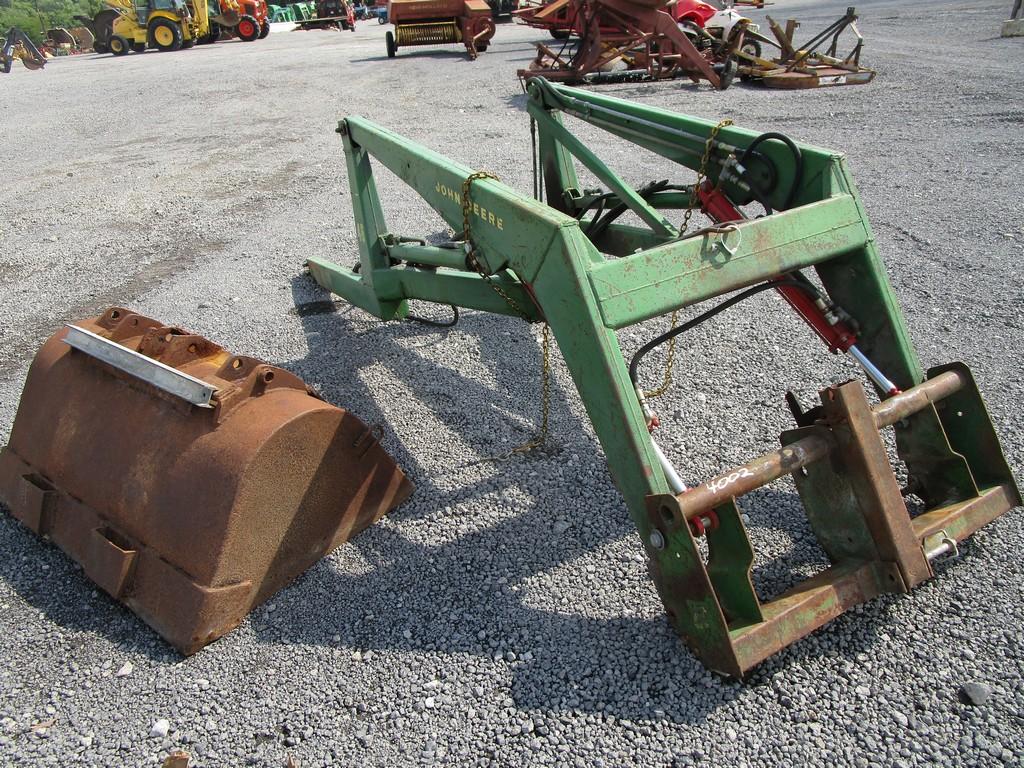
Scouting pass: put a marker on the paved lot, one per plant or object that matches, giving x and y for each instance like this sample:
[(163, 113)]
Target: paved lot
[(503, 615)]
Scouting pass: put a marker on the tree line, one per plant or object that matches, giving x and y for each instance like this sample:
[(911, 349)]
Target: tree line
[(34, 17)]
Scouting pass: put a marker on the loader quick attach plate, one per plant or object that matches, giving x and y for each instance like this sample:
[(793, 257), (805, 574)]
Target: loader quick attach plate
[(191, 484), (566, 260), (856, 509)]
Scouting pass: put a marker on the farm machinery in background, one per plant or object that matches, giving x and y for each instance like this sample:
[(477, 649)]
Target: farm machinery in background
[(247, 20), (192, 483), (611, 46), (61, 41), (102, 27), (559, 18), (816, 63), (439, 22), (17, 45), (169, 25), (620, 40), (502, 10), (330, 14), (165, 26)]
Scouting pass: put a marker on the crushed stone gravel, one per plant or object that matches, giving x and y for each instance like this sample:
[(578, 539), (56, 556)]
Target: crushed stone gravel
[(503, 616)]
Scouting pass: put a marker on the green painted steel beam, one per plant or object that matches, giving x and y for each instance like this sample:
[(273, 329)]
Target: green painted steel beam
[(680, 273), (594, 358), (681, 139), (497, 211), (354, 289), (442, 286), (462, 289), (658, 223)]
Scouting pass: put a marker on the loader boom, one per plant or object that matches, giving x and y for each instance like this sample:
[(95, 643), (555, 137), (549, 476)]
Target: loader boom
[(588, 286)]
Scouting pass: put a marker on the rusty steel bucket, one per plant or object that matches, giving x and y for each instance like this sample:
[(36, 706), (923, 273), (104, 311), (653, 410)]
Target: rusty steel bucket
[(191, 484)]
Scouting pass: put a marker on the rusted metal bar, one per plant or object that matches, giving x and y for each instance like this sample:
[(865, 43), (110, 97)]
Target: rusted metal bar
[(964, 518), (791, 458), (891, 410), (753, 474), (808, 606), (866, 465)]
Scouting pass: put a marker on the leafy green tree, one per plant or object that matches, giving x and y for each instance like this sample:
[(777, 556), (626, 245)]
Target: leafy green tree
[(34, 17)]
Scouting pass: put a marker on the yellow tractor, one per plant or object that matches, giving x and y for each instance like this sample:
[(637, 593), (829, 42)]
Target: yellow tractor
[(166, 25)]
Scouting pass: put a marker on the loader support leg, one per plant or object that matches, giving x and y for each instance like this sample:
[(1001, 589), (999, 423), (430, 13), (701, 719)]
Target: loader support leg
[(370, 228)]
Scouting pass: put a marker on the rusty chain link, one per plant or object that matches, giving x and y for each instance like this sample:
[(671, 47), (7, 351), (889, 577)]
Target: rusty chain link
[(670, 353)]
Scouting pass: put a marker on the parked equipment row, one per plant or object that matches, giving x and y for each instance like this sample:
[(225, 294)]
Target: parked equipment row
[(138, 25)]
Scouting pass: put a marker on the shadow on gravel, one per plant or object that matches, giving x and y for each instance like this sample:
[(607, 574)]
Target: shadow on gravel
[(469, 595), (55, 586), (517, 101), (455, 53), (459, 402)]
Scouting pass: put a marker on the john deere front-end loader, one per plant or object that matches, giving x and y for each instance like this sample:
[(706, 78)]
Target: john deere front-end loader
[(166, 25), (192, 484)]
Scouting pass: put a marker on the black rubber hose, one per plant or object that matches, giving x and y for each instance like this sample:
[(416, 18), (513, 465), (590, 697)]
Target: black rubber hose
[(759, 196), (797, 282), (599, 201), (643, 192), (435, 323), (798, 160)]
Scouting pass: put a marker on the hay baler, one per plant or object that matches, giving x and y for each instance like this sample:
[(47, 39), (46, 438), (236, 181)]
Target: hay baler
[(439, 22)]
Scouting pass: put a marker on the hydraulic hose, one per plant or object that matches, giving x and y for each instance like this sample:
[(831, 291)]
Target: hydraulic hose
[(798, 161), (797, 282)]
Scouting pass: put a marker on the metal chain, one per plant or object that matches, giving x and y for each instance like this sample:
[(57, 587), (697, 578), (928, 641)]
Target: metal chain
[(471, 259), (702, 172), (541, 437)]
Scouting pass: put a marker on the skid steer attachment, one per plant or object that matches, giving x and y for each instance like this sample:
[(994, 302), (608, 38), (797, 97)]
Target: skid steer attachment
[(191, 484), (570, 263)]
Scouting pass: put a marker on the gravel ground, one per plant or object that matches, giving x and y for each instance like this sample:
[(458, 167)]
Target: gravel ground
[(503, 615)]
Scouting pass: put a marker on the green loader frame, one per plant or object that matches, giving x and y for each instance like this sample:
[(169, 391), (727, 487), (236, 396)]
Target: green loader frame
[(587, 282)]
